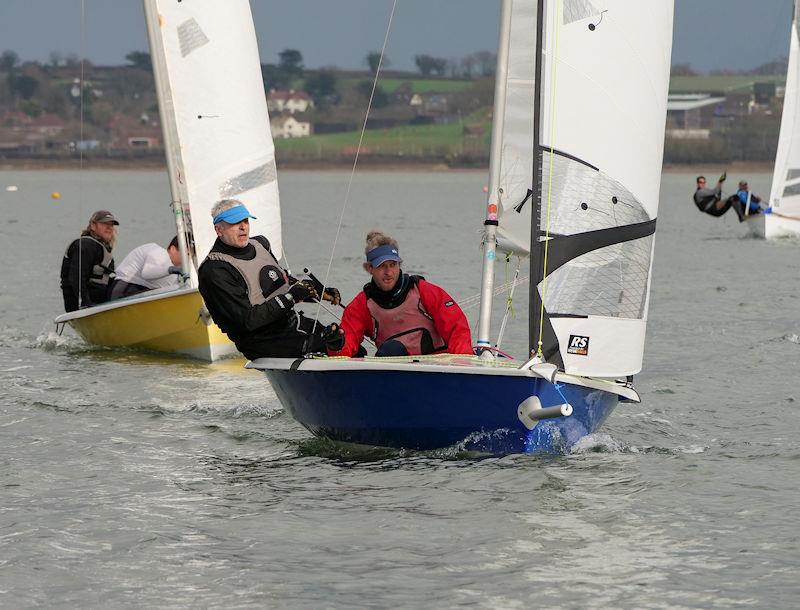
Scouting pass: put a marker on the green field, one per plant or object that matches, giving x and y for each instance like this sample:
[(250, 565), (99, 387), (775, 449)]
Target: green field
[(418, 85), (720, 84), (412, 141)]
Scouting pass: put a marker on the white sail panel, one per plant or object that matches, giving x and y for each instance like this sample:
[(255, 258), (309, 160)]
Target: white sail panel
[(603, 114), (516, 159), (220, 112), (785, 192)]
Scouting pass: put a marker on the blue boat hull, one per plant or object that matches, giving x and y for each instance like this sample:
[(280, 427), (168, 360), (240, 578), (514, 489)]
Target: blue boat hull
[(431, 410)]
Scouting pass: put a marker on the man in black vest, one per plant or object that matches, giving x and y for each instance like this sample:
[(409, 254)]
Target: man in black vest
[(249, 296), (88, 265)]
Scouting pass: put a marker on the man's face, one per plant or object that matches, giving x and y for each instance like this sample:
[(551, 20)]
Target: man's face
[(235, 235), (701, 183), (386, 274), (104, 229), (174, 256)]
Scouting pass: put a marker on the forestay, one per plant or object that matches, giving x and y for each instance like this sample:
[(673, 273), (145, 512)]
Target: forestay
[(224, 148), (785, 193), (605, 74)]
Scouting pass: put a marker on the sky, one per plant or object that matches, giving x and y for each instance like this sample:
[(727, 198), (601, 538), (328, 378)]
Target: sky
[(708, 34)]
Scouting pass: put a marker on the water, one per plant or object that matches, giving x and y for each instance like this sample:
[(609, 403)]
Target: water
[(133, 480)]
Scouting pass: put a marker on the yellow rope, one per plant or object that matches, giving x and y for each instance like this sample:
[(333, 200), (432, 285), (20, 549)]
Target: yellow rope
[(550, 177), (509, 298)]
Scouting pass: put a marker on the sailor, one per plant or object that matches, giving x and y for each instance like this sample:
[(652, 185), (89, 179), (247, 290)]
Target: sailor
[(708, 200), (148, 267), (88, 265), (403, 314), (748, 203), (250, 297)]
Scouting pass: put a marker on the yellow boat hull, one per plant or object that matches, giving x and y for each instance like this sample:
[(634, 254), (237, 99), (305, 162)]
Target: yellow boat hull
[(175, 322)]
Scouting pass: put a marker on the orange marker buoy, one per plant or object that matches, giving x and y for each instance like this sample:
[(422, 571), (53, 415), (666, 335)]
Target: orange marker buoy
[(55, 195)]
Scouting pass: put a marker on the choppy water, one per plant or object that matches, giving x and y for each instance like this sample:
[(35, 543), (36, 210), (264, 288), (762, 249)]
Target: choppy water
[(132, 480)]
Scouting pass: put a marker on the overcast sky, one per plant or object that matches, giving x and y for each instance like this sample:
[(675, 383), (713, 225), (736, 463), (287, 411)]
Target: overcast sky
[(709, 34)]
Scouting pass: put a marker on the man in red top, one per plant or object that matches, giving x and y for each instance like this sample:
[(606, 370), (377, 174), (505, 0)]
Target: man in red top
[(403, 314)]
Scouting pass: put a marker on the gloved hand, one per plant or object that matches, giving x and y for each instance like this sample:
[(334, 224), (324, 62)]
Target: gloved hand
[(303, 291), (333, 335), (332, 295), (178, 271), (722, 177)]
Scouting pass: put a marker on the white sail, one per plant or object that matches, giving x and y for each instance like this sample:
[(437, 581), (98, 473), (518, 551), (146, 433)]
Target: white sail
[(785, 193), (516, 159), (215, 95), (602, 111), (606, 76)]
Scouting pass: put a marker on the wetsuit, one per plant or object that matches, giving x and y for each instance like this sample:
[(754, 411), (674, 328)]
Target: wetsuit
[(416, 313), (87, 269), (251, 303), (705, 199)]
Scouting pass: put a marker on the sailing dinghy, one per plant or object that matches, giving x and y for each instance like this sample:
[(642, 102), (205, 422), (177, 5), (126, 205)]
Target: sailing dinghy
[(784, 219), (577, 143), (218, 145)]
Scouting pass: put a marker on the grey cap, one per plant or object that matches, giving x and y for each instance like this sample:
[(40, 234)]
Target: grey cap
[(103, 216)]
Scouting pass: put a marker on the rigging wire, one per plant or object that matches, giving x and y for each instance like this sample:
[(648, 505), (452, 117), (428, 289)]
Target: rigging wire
[(355, 160), (550, 176), (82, 197)]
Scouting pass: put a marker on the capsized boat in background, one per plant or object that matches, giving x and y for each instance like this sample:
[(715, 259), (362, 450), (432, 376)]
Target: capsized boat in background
[(784, 198), (577, 144), (218, 145)]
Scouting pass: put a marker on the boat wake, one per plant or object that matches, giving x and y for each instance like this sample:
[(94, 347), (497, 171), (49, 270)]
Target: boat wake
[(51, 341)]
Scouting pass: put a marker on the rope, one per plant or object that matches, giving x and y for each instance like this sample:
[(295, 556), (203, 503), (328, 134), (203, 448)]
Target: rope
[(80, 152), (474, 300), (358, 152), (549, 179)]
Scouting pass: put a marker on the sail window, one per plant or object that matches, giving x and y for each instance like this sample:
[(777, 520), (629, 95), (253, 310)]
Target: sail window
[(191, 37), (260, 176), (610, 281)]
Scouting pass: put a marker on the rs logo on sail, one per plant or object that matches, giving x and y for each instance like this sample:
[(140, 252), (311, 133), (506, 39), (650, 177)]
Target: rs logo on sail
[(578, 345)]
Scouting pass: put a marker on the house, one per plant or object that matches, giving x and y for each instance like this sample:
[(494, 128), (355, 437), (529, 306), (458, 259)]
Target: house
[(47, 124), (692, 116), (129, 132), (290, 101), (289, 127)]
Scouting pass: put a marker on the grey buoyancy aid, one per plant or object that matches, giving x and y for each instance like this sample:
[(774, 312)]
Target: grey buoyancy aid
[(263, 275), (101, 272), (407, 323)]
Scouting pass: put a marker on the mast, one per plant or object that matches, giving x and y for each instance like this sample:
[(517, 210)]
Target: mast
[(535, 304), (493, 204), (168, 127)]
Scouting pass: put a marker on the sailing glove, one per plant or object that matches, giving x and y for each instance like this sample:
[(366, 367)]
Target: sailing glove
[(303, 291), (333, 335), (178, 271), (332, 295)]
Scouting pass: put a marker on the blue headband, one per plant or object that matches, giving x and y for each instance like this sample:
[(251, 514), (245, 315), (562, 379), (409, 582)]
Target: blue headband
[(377, 256), (233, 215)]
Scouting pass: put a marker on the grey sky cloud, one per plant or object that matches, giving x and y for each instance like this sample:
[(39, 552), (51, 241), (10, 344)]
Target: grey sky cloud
[(709, 34)]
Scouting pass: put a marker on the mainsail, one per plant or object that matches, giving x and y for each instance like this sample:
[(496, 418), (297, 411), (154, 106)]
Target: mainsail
[(221, 142), (785, 192), (598, 115)]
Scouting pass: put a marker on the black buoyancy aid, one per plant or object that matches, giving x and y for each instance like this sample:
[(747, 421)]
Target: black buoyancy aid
[(263, 275), (406, 322)]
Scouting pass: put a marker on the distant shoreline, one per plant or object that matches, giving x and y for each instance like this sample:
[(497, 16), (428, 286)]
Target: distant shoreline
[(738, 167)]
